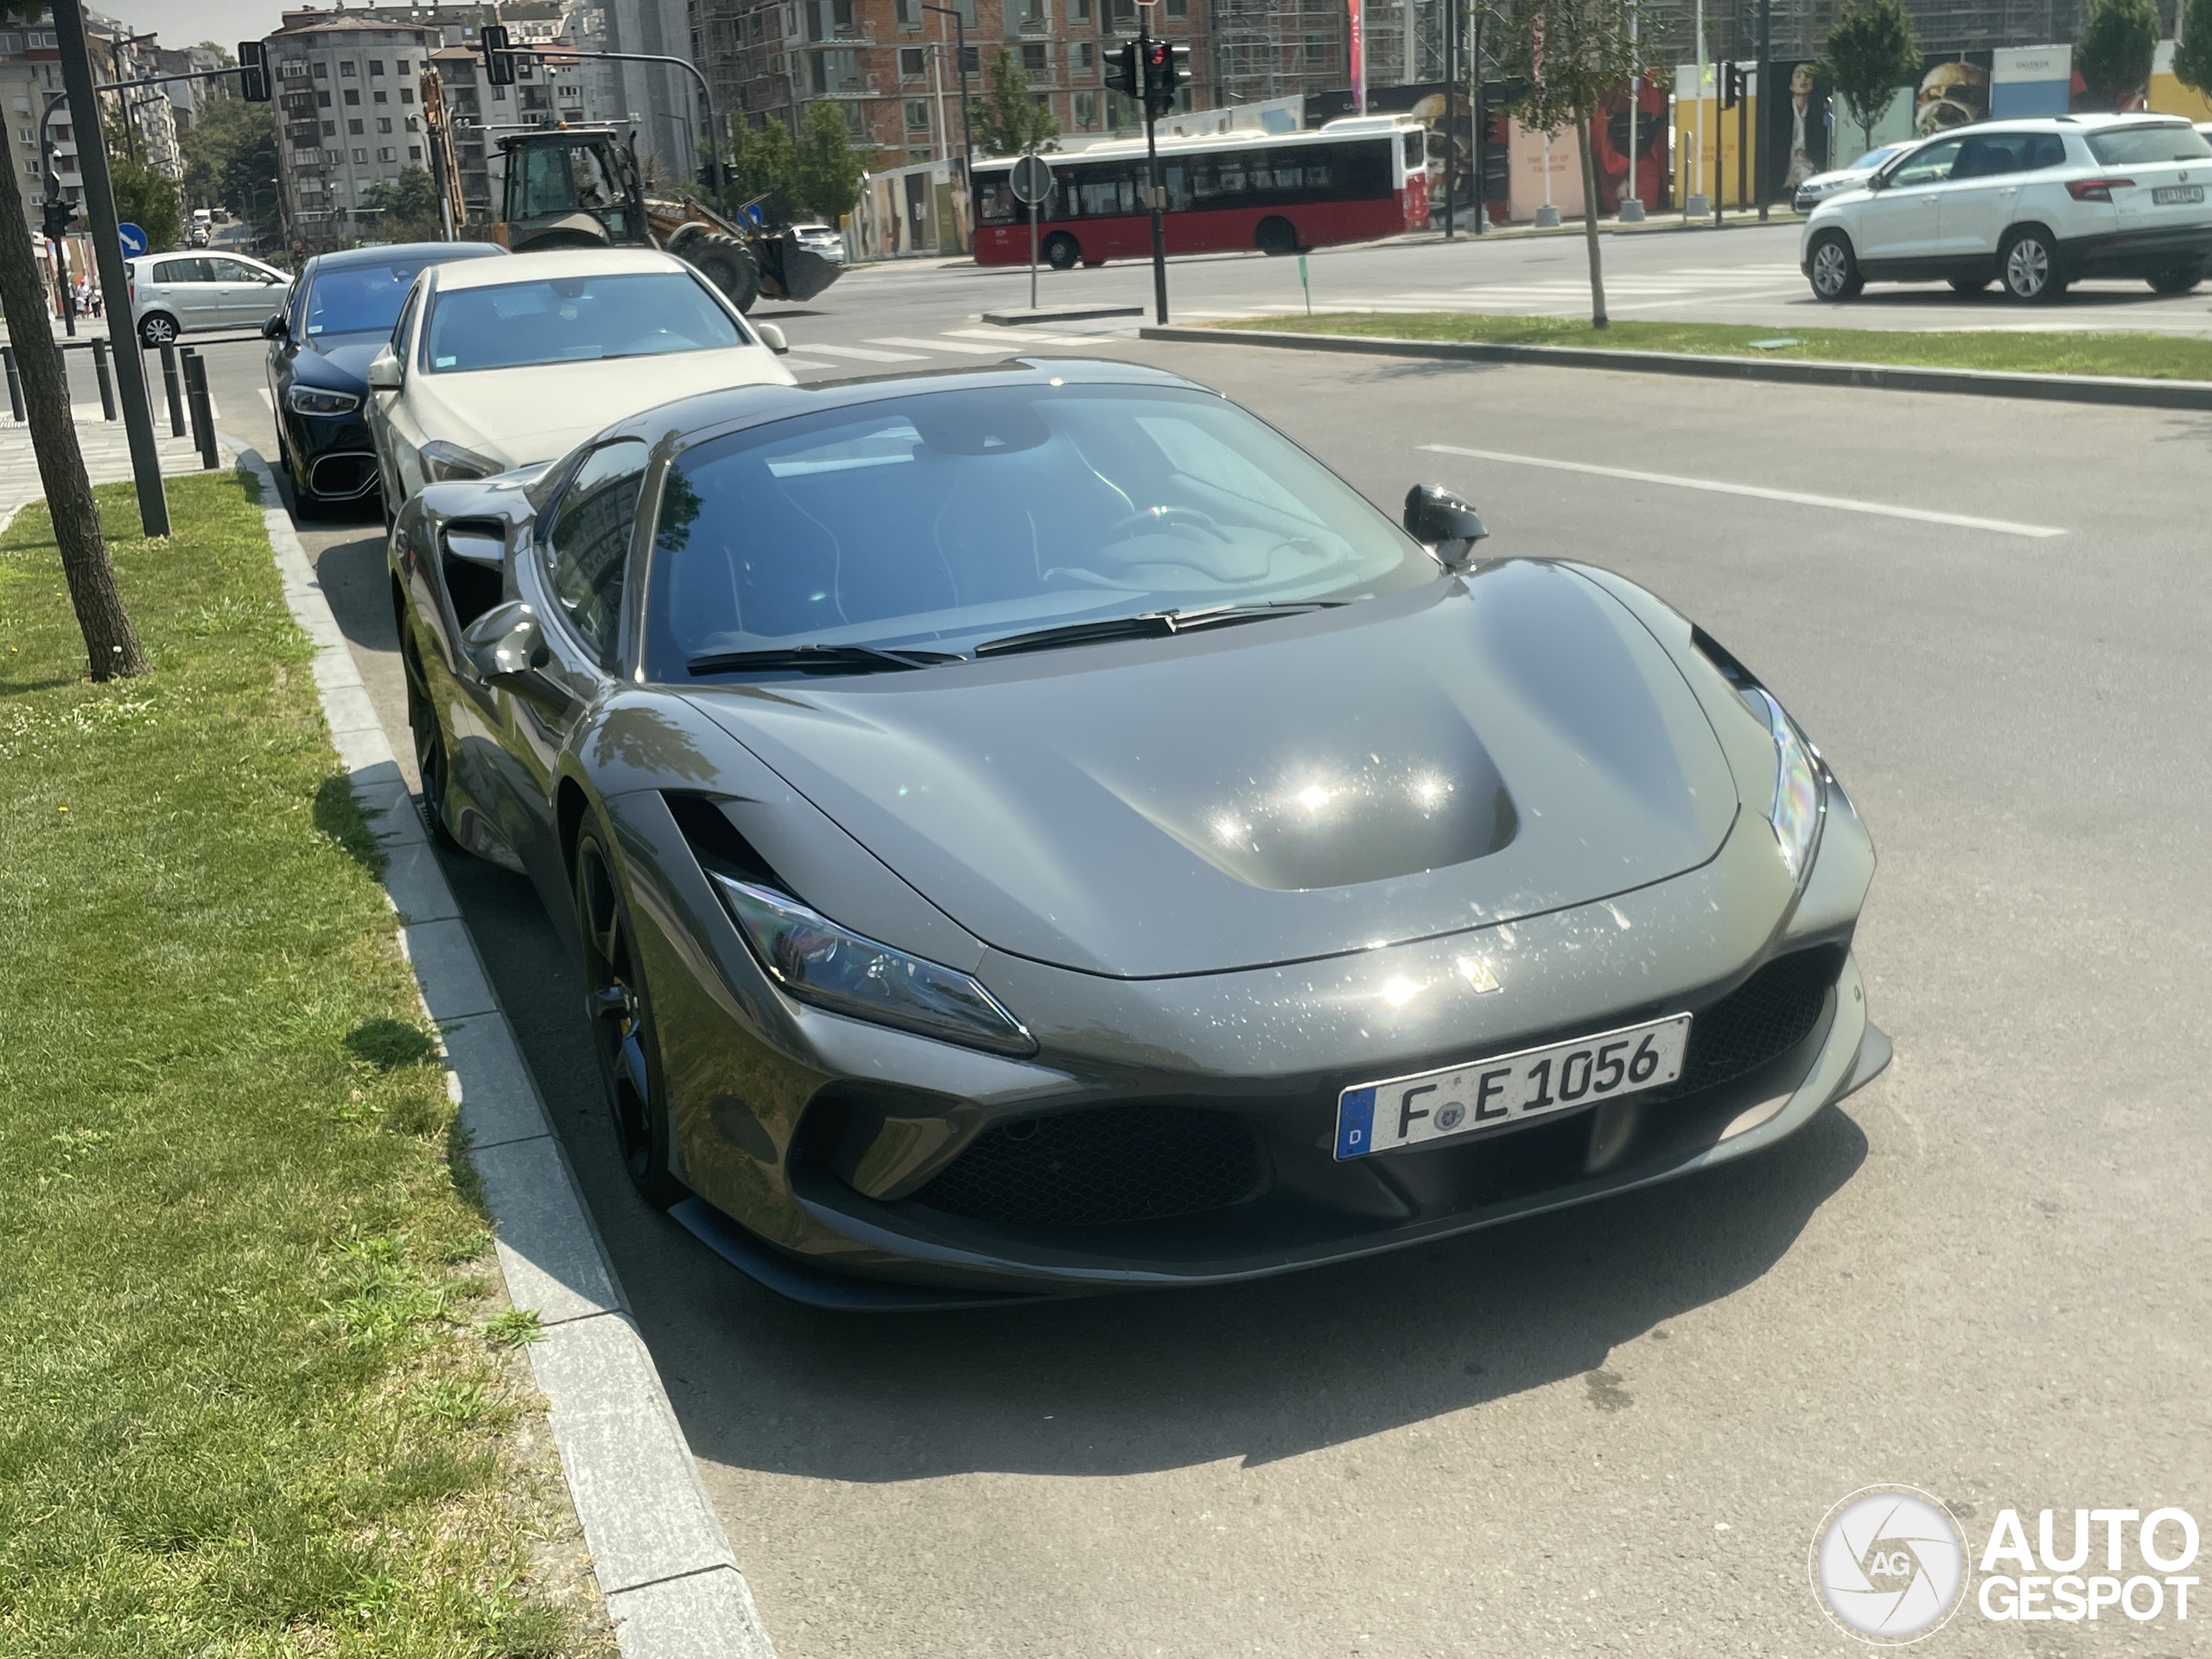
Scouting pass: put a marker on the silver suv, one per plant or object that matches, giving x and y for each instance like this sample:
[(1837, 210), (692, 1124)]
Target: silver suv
[(173, 294)]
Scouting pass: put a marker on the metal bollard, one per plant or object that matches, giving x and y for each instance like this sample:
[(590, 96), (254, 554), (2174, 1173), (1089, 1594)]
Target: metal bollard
[(170, 385), (107, 380), (203, 414), (15, 383)]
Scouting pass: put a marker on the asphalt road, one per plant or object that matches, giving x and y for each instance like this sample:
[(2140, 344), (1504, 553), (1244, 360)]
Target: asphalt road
[(1612, 1430)]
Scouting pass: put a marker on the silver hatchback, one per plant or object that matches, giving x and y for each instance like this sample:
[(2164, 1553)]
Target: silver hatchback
[(173, 294)]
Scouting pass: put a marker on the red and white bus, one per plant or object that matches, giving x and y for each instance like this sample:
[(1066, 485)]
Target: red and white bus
[(1350, 180)]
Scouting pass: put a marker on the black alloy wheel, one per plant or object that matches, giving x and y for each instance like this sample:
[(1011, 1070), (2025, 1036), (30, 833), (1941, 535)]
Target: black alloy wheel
[(1061, 252), (429, 742), (622, 1027), (1832, 268), (157, 331), (2028, 267), (1276, 235), (2176, 279)]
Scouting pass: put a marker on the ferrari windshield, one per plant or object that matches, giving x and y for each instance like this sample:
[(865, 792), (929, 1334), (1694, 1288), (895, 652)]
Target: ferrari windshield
[(574, 319), (946, 518)]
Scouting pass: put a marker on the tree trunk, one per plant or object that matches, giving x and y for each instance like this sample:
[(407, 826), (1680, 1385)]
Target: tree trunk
[(109, 640), (1597, 319)]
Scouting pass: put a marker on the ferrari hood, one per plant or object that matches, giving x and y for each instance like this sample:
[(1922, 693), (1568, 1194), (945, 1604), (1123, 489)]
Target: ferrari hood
[(519, 415), (1466, 755)]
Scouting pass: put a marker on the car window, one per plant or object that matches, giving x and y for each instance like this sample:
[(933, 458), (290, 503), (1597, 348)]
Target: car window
[(406, 319), (940, 518), (1991, 154), (1930, 165), (182, 270), (576, 319), (359, 299), (2045, 149), (2145, 145), (1873, 158), (229, 270), (589, 544)]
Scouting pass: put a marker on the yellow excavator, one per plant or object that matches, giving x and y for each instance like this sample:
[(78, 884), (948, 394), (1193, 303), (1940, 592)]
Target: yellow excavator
[(578, 186)]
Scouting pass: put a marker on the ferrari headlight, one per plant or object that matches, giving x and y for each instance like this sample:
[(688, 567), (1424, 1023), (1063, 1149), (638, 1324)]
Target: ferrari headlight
[(442, 461), (1796, 812), (314, 400), (818, 962)]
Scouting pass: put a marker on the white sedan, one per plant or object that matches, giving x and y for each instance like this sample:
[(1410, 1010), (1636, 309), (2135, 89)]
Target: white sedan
[(497, 364)]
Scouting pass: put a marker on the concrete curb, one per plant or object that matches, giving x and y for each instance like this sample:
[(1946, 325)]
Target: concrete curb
[(672, 1586), (1060, 313), (1884, 377)]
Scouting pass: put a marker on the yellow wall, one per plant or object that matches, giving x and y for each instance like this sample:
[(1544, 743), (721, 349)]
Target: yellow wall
[(1692, 137), (2169, 97)]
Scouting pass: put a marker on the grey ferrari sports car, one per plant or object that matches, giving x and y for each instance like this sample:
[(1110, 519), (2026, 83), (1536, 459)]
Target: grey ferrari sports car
[(1034, 830)]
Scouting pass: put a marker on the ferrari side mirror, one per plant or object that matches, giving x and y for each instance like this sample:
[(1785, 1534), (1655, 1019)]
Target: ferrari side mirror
[(1436, 517), (504, 642)]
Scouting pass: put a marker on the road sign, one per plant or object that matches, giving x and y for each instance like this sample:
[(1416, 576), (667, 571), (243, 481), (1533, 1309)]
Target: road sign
[(1032, 180), (133, 239)]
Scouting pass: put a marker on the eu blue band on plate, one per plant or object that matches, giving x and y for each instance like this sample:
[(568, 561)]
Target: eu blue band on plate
[(1355, 1123)]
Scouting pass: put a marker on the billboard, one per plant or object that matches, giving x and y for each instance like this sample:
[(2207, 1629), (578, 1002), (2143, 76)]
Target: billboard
[(1796, 135), (1952, 91)]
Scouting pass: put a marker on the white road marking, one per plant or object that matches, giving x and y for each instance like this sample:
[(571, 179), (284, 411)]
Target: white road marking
[(1839, 504), (1013, 337), (961, 347), (863, 353), (266, 398), (808, 364)]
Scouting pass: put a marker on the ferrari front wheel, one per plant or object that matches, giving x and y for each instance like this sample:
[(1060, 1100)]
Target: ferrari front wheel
[(622, 1027)]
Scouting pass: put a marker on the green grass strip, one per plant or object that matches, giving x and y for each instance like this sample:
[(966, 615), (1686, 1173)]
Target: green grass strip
[(2158, 357), (246, 1406)]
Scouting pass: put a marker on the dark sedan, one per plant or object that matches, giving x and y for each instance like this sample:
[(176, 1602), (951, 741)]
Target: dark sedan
[(338, 315), (1034, 830)]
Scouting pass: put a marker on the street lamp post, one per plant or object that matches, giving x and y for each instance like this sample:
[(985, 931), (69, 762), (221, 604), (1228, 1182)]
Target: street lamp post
[(967, 127)]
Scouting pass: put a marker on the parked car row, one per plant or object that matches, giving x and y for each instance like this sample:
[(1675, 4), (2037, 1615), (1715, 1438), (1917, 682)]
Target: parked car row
[(2032, 205), (390, 368)]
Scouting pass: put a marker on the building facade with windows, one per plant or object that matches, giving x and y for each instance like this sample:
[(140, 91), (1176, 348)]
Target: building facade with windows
[(891, 65), (348, 119)]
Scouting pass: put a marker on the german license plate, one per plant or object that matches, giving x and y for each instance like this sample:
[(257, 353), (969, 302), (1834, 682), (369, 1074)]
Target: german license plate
[(1509, 1088), (2170, 194)]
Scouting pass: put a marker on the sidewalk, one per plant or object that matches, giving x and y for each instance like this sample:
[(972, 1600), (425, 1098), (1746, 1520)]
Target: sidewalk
[(107, 454)]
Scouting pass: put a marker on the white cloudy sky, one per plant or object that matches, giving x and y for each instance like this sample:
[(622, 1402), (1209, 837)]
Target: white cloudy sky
[(182, 22)]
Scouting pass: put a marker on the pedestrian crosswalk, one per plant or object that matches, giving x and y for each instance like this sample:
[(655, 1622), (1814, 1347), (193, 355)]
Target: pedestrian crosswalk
[(962, 344)]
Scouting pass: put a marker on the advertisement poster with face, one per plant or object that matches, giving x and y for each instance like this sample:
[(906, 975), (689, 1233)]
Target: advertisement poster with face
[(1609, 147), (1954, 91), (1796, 142)]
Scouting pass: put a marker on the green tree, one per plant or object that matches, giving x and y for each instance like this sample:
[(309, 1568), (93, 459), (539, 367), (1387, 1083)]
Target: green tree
[(144, 196), (1571, 55), (230, 160), (762, 159), (1870, 54), (2193, 54), (1008, 121), (828, 173), (2119, 39), (408, 209)]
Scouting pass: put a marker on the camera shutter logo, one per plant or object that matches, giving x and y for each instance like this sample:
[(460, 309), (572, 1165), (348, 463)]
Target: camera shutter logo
[(1889, 1565)]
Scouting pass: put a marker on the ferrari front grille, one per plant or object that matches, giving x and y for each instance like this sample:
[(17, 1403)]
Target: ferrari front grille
[(1108, 1164)]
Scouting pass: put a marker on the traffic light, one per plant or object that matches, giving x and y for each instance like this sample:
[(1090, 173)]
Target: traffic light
[(253, 72), (1123, 74), (58, 212), (1731, 85), (1166, 67), (498, 54)]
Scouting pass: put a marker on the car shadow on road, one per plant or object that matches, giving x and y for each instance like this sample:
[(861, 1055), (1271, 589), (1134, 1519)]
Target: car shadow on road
[(1148, 1380)]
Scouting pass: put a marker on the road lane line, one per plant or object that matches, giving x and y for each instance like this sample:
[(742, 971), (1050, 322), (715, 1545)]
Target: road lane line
[(1839, 504), (808, 363), (958, 345), (863, 353)]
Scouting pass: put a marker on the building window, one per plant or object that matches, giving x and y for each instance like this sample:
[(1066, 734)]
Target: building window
[(323, 72), (498, 94), (376, 69), (1121, 13), (361, 158), (855, 121), (1086, 58), (380, 96), (1033, 66), (1079, 11), (910, 61), (407, 94), (346, 69), (322, 100), (1029, 14), (400, 68), (387, 155), (353, 96), (413, 125), (1086, 109), (330, 128), (910, 14), (335, 157), (383, 123), (918, 114), (414, 152), (1179, 8), (353, 127)]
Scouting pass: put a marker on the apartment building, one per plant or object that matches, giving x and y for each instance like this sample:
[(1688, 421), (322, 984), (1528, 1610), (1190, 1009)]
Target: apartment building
[(891, 66), (347, 118)]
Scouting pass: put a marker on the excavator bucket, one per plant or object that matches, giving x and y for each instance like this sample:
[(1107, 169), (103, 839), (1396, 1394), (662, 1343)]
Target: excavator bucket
[(794, 273)]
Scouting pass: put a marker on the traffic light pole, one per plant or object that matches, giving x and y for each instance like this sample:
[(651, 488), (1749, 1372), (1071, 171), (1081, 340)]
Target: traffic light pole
[(1156, 194), (107, 249)]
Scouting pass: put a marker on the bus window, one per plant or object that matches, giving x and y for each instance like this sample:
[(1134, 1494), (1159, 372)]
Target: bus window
[(1415, 160)]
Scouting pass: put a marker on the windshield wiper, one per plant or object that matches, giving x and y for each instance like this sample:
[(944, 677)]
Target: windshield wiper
[(1150, 625), (820, 660)]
